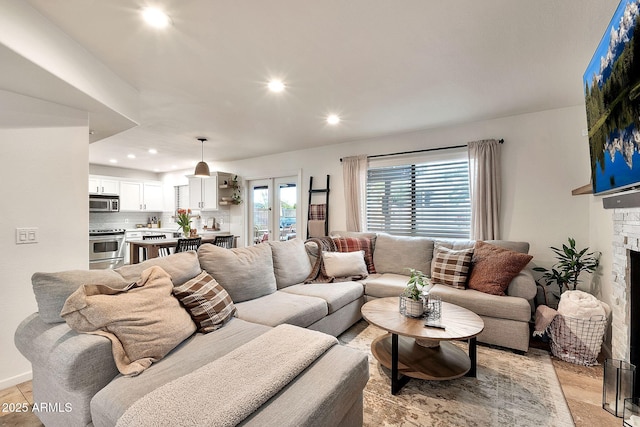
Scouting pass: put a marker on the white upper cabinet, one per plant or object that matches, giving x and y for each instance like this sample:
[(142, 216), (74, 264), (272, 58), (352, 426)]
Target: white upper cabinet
[(103, 185), (153, 196), (141, 196), (203, 193)]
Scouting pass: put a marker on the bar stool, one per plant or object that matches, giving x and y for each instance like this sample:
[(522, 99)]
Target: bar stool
[(188, 244), (161, 251), (224, 241)]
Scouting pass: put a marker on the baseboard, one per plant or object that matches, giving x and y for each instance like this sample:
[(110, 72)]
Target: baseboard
[(10, 382)]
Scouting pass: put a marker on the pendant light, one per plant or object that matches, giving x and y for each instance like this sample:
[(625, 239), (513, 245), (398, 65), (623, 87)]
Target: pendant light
[(202, 169)]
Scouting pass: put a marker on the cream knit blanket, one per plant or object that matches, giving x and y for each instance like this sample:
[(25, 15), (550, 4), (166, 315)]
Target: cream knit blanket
[(227, 390)]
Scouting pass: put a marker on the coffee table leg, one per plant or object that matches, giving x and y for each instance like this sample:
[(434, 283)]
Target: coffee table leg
[(396, 383), (473, 356)]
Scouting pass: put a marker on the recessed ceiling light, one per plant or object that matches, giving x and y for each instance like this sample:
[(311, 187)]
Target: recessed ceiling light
[(131, 156), (276, 85), (333, 119), (113, 161), (155, 17), (153, 151), (156, 170)]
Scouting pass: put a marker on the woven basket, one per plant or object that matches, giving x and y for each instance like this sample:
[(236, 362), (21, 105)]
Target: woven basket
[(577, 340)]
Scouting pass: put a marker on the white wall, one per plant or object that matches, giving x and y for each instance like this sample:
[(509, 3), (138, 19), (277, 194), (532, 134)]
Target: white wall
[(44, 184)]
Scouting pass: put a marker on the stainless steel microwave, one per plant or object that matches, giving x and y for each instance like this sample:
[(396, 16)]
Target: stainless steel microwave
[(104, 203)]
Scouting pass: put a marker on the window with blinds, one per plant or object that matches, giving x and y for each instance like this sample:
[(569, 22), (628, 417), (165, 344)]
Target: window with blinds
[(426, 199)]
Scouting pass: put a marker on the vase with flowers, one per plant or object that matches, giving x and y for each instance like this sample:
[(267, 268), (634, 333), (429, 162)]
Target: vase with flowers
[(183, 219)]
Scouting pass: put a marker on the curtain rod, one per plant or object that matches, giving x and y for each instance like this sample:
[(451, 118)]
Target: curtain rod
[(501, 141)]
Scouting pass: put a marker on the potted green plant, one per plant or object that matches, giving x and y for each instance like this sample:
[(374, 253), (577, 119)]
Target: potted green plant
[(571, 263), (412, 299), (236, 199)]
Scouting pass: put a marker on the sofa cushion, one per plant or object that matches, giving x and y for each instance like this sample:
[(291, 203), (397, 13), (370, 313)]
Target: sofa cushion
[(291, 264), (144, 322), (181, 267), (53, 289), (337, 295), (283, 307), (246, 273), (110, 402), (494, 268), (523, 285), (386, 285), (522, 247), (451, 267), (353, 244), (207, 302), (483, 304), (455, 244), (396, 254), (343, 264)]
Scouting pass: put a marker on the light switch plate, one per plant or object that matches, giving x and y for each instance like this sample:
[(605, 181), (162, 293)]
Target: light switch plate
[(25, 235)]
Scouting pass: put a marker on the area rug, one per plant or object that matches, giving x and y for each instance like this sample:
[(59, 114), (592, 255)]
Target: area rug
[(510, 389)]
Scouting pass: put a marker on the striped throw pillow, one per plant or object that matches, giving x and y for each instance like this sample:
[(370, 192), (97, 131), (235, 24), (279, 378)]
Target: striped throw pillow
[(208, 303), (451, 267)]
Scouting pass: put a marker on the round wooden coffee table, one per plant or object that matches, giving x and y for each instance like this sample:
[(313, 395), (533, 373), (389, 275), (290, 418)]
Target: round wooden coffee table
[(418, 351)]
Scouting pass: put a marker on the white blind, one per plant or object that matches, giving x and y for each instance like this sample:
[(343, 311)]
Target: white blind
[(428, 199)]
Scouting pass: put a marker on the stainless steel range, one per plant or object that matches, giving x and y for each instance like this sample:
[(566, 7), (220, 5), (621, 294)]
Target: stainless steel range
[(106, 248)]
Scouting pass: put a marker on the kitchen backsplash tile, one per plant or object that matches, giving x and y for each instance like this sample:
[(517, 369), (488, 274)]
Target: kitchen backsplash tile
[(128, 220)]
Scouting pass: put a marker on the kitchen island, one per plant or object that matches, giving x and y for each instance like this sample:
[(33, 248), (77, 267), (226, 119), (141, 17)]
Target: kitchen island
[(152, 246)]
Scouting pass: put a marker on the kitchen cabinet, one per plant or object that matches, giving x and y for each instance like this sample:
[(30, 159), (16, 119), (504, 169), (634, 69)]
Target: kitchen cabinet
[(141, 196), (103, 185), (203, 193)]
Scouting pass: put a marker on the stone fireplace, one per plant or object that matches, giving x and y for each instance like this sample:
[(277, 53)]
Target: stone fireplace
[(625, 326)]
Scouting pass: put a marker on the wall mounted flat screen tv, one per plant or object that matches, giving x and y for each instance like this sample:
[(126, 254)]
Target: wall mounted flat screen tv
[(612, 97)]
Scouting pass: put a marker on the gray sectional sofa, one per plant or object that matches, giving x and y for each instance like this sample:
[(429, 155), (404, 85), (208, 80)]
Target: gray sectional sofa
[(266, 284)]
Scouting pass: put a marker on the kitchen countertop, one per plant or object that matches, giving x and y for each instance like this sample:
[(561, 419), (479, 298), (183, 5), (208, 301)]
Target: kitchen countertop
[(175, 230)]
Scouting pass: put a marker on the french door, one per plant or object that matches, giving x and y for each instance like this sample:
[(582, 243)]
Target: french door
[(273, 209)]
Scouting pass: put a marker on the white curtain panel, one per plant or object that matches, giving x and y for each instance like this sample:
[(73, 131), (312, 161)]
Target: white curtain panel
[(484, 185), (354, 173)]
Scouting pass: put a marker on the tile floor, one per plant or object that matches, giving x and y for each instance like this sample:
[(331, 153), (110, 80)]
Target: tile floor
[(582, 387)]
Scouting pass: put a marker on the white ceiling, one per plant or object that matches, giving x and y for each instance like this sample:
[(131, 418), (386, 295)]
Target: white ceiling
[(384, 66)]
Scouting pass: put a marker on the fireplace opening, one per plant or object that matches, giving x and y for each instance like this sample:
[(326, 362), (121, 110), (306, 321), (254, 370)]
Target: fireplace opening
[(634, 315)]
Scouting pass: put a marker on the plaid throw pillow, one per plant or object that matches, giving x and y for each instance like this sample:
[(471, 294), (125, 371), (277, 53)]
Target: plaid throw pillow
[(353, 244), (451, 267), (207, 302)]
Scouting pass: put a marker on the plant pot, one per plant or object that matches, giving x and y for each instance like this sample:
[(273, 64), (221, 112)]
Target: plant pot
[(410, 307)]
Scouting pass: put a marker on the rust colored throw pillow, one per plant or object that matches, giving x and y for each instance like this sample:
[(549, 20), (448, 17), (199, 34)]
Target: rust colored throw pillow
[(451, 267), (353, 244), (208, 303), (493, 268)]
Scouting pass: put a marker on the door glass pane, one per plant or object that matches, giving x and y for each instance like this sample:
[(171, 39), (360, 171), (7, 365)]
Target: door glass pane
[(260, 213), (287, 193)]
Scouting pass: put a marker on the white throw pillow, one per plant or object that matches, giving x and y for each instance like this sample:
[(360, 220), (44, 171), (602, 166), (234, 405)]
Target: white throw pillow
[(341, 264)]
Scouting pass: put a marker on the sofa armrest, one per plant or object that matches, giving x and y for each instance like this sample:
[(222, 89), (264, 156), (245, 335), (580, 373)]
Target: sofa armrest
[(76, 361), (523, 285)]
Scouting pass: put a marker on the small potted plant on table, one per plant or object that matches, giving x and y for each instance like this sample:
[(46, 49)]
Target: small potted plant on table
[(412, 300)]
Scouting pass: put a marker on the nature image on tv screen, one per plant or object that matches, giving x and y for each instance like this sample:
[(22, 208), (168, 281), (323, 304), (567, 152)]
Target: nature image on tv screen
[(612, 97)]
